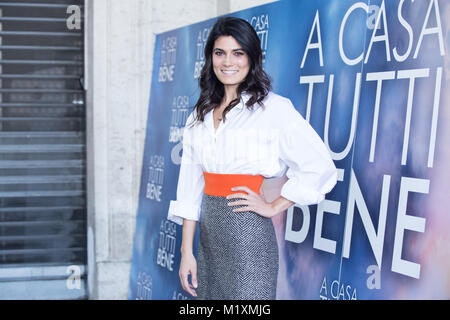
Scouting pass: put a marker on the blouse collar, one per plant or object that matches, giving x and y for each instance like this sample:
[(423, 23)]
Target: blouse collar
[(244, 98), (209, 120)]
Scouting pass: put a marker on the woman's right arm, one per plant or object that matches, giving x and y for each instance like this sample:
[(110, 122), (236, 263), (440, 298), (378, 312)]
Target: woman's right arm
[(188, 264), (190, 182), (185, 210)]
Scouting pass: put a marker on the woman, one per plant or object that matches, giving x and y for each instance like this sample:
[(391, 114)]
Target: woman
[(243, 133)]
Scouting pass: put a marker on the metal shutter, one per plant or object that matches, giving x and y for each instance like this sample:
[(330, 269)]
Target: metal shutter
[(42, 152)]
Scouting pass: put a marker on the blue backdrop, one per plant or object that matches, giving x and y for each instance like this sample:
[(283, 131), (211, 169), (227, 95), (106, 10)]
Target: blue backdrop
[(371, 77)]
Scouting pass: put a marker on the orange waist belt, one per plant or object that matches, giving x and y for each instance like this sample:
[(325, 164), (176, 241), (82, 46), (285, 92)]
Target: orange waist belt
[(218, 184)]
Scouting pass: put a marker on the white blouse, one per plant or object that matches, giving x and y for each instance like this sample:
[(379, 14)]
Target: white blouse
[(264, 141)]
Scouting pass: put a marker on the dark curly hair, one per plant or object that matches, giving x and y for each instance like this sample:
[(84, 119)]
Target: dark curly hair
[(257, 83)]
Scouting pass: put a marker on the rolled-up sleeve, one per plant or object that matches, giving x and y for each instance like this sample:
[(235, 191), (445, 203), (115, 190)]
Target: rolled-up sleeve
[(311, 171), (190, 183)]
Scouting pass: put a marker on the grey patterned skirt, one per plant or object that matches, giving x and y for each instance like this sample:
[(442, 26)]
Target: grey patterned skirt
[(237, 257)]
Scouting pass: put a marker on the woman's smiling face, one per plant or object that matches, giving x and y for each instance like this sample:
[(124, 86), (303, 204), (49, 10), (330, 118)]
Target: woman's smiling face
[(230, 62)]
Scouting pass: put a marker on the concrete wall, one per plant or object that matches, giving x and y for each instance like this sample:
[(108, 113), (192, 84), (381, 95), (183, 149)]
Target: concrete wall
[(119, 55)]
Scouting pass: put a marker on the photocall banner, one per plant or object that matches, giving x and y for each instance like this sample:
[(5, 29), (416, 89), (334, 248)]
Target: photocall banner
[(372, 78)]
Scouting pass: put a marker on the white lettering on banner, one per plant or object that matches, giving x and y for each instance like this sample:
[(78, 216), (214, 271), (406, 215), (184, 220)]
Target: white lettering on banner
[(342, 154), (144, 286), (297, 236), (381, 20), (180, 113), (178, 296), (310, 80), (372, 17), (379, 77), (168, 59), (435, 116), (200, 56), (407, 222), (429, 31), (374, 280), (407, 26), (315, 45), (375, 236), (175, 155), (384, 37), (337, 290), (347, 60), (321, 243), (167, 243), (329, 206), (323, 290), (261, 25), (411, 75), (155, 177)]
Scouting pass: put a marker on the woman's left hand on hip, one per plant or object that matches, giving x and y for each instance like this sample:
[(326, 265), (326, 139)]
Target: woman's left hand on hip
[(253, 202)]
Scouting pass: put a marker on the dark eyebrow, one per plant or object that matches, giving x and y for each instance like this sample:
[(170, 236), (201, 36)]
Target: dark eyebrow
[(238, 49)]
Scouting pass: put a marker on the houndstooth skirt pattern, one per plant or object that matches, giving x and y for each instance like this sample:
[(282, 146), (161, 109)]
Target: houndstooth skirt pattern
[(237, 257)]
